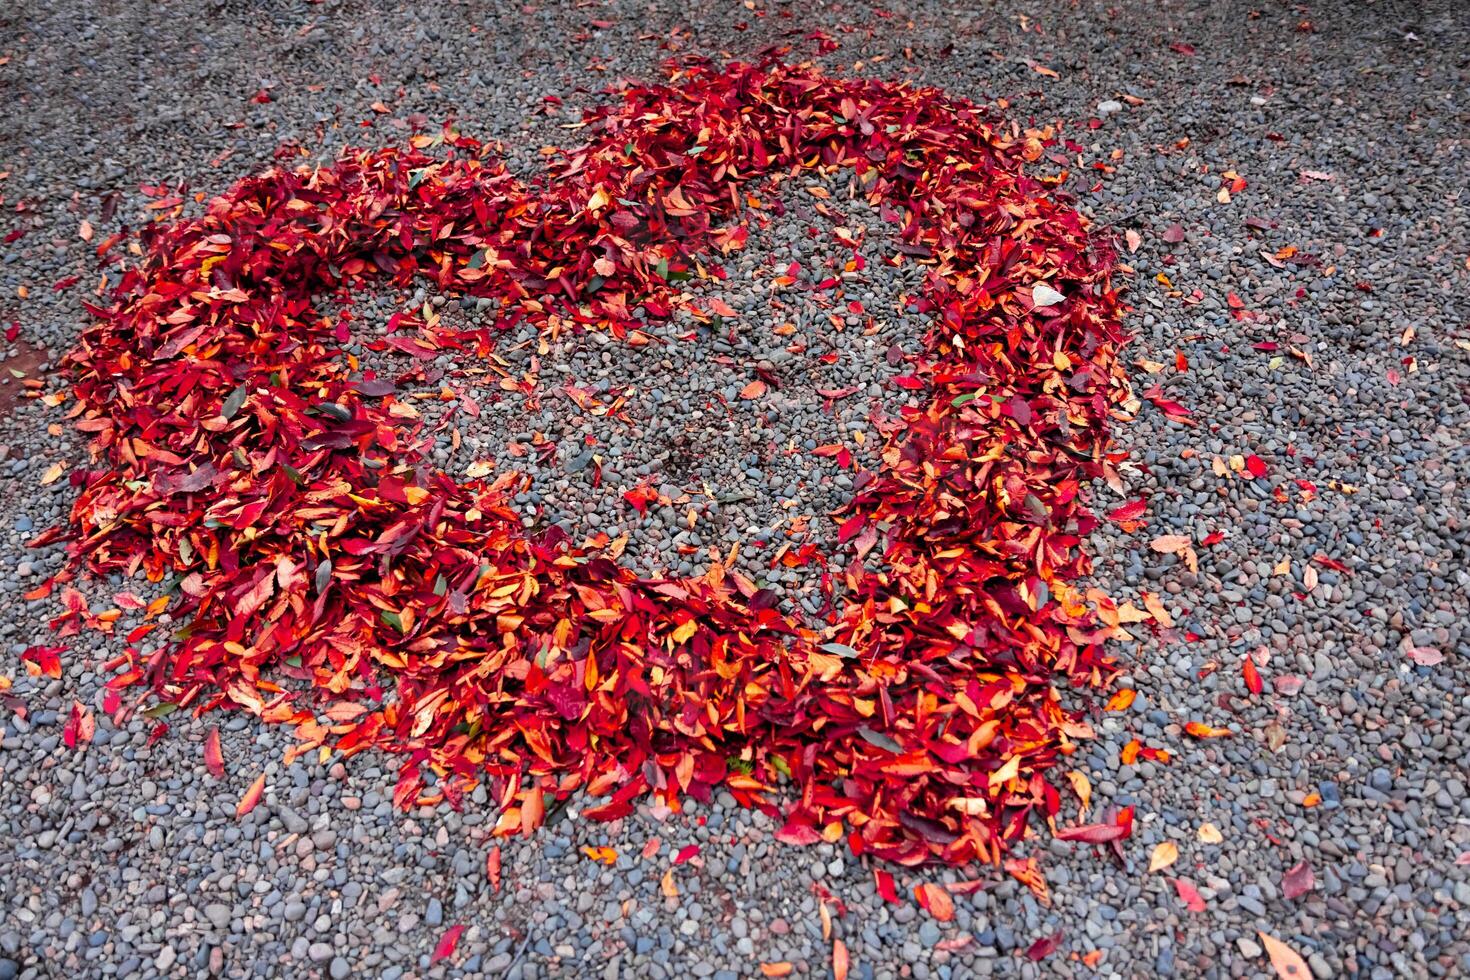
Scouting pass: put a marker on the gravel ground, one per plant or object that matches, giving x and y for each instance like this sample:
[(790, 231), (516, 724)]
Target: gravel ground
[(1313, 314)]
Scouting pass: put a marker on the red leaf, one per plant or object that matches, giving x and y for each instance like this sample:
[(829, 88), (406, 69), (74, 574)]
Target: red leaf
[(1129, 511), (447, 942), (1045, 946), (1189, 895), (1298, 880), (214, 759), (1094, 833), (886, 887)]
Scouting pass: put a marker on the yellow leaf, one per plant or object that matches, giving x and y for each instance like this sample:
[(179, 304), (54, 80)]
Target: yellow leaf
[(1210, 834), (1082, 786), (1164, 855), (1288, 965), (53, 474), (684, 631)]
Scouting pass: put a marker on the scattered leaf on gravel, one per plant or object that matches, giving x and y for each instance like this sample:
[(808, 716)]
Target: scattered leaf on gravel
[(839, 960), (1210, 834), (1288, 965), (251, 797), (1165, 854), (492, 868), (1298, 880), (1045, 946), (1189, 895), (445, 947), (935, 900), (214, 759)]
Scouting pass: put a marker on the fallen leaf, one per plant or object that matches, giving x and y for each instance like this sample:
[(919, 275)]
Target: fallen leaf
[(445, 947), (935, 901), (251, 797), (1165, 854), (839, 960), (1189, 895), (1210, 834), (214, 759), (1044, 295), (1288, 965), (1298, 880), (492, 868), (1045, 946)]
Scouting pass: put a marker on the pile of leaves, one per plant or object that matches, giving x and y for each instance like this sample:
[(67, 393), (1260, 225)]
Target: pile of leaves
[(331, 578)]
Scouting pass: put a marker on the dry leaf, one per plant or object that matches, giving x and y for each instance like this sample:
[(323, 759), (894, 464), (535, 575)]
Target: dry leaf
[(1288, 965), (251, 797), (1164, 855)]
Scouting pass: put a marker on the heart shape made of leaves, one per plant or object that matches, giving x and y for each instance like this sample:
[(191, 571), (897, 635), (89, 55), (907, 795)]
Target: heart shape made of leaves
[(242, 461)]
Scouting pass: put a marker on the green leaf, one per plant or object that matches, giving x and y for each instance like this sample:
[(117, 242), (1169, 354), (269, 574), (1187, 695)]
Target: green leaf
[(161, 710), (233, 402), (966, 398), (392, 619), (880, 740)]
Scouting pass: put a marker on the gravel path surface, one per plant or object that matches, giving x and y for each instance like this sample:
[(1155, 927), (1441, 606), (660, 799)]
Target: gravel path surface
[(1291, 184)]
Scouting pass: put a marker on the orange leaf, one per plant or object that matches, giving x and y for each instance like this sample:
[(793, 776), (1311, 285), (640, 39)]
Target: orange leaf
[(1122, 700), (1288, 965), (251, 797), (839, 960), (533, 810), (1252, 676), (781, 969), (1164, 855), (1200, 730), (492, 868), (753, 390), (936, 901)]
